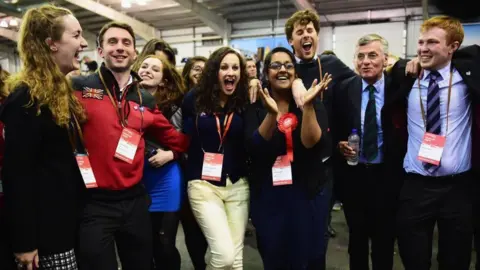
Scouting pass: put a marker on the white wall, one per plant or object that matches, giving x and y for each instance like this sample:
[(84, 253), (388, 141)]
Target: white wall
[(325, 39), (346, 37), (413, 33)]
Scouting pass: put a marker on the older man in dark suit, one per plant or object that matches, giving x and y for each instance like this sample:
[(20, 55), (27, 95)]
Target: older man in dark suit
[(369, 189)]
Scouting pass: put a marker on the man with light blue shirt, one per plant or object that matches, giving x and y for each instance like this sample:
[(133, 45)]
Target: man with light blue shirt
[(369, 189), (439, 127)]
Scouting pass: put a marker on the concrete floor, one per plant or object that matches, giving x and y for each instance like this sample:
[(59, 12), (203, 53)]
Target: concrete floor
[(337, 256)]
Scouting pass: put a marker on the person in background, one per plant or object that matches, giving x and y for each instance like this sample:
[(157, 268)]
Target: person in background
[(287, 212), (120, 114), (216, 167), (192, 71), (91, 65), (157, 47), (194, 239), (251, 68), (392, 59), (162, 174), (370, 189), (334, 204), (41, 179)]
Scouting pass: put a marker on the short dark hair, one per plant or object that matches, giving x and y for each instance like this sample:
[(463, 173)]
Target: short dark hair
[(114, 24), (328, 52)]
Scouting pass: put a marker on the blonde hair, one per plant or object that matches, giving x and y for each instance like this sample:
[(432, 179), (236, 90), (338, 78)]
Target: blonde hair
[(47, 84), (452, 26)]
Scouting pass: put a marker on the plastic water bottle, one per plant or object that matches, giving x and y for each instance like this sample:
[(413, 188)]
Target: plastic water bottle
[(354, 143)]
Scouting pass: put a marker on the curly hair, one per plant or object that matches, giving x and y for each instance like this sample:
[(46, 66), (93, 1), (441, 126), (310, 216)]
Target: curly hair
[(188, 66), (208, 90), (303, 17), (171, 93), (156, 45), (48, 85)]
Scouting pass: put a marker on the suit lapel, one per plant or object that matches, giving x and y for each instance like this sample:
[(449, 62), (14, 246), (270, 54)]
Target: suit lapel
[(355, 96), (470, 74)]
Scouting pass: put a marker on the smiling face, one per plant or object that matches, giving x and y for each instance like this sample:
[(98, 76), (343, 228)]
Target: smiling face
[(117, 49), (229, 74), (371, 61), (151, 73), (251, 69), (65, 52), (304, 41), (281, 72), (196, 72), (433, 49)]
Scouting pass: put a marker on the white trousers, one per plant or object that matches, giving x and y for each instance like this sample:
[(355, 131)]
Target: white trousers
[(222, 213)]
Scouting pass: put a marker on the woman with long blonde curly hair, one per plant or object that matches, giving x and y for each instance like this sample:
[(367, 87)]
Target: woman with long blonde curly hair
[(162, 174), (40, 175)]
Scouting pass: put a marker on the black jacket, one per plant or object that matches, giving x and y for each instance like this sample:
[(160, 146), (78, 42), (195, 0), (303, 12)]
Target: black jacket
[(41, 179)]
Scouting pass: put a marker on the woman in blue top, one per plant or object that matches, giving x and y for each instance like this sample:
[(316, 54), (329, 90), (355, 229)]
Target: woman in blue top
[(216, 166), (162, 176)]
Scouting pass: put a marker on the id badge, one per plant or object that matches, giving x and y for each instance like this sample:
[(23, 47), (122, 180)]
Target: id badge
[(85, 167), (212, 166), (127, 145), (431, 148), (282, 171)]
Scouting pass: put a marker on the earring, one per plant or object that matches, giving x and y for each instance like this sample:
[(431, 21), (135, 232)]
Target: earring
[(54, 49)]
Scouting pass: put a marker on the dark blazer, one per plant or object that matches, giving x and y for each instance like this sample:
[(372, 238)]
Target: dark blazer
[(347, 115), (308, 169), (467, 63), (41, 179)]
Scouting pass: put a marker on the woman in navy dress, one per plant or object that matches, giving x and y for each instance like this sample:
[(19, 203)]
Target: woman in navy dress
[(287, 145)]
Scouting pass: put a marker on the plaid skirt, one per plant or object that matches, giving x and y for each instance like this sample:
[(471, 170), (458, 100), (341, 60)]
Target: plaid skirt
[(59, 261)]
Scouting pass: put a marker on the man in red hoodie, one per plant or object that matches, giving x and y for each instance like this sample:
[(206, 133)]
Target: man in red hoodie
[(118, 114)]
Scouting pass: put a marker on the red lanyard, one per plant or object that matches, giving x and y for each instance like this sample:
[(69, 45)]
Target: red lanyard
[(118, 104), (226, 123)]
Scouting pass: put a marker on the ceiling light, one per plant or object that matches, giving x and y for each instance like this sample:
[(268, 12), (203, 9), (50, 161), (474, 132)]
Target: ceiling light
[(4, 24), (141, 2), (13, 22), (10, 1), (126, 4)]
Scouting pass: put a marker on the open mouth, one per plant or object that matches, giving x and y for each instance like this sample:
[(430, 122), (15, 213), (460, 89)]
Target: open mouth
[(282, 78), (307, 46), (77, 57), (229, 84)]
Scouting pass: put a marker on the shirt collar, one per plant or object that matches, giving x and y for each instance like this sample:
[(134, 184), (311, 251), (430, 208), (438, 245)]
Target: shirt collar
[(130, 80), (378, 84), (301, 61), (444, 72)]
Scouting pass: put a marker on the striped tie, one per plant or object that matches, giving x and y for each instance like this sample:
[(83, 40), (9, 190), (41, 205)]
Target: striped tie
[(434, 125)]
